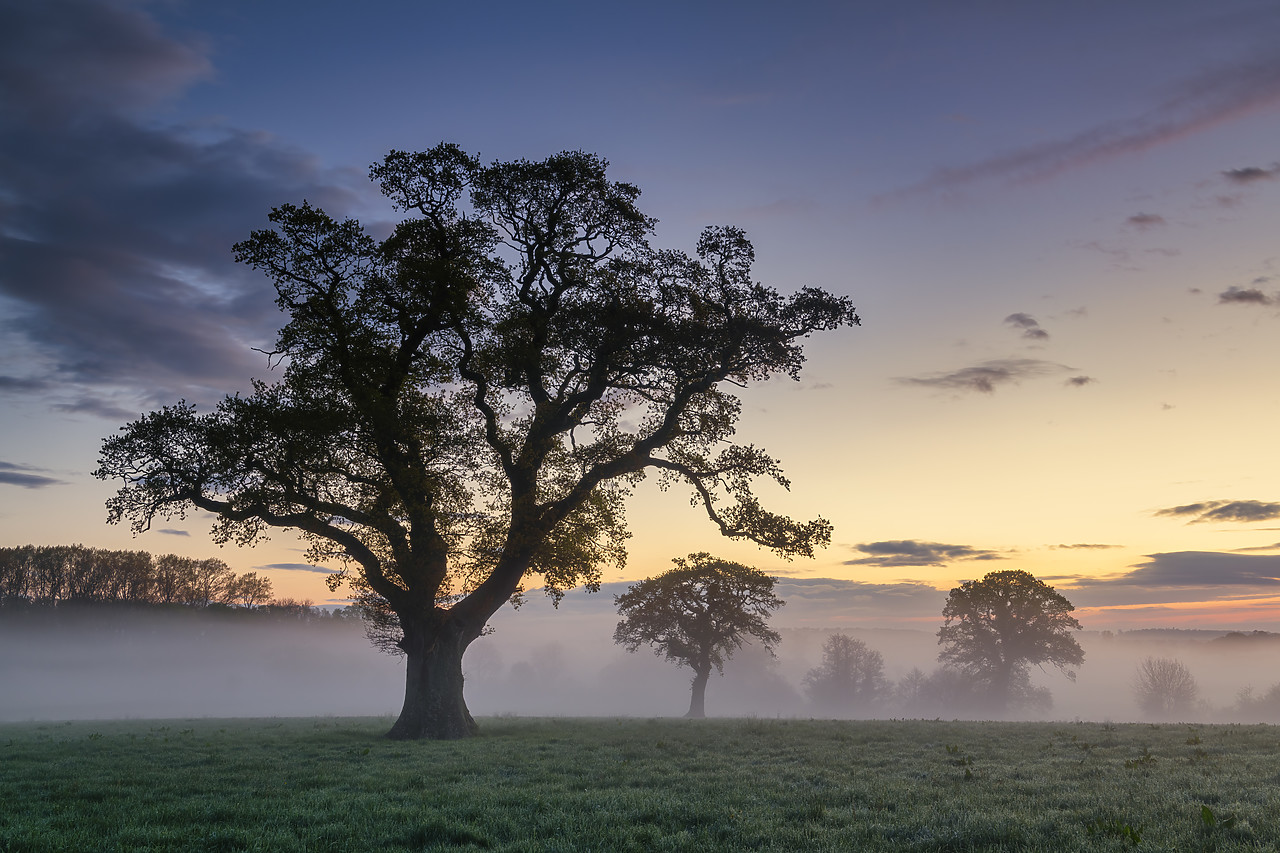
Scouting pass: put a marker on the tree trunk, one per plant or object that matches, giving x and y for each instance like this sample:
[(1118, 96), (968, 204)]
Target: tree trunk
[(1001, 687), (434, 707), (697, 702)]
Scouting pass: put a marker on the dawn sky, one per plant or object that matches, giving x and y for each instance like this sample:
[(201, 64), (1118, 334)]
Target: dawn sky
[(1058, 221)]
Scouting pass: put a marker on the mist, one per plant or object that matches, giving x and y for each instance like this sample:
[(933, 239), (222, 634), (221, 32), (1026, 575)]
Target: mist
[(537, 661)]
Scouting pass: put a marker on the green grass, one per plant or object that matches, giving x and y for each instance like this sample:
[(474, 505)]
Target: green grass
[(589, 784)]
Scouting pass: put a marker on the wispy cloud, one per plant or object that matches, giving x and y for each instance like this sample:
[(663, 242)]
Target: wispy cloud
[(1244, 296), (169, 531), (1197, 569), (1251, 174), (1200, 102), (1087, 546), (1218, 511), (1028, 325), (24, 477), (1143, 221), (1274, 547), (296, 567), (912, 552), (988, 375), (1080, 381)]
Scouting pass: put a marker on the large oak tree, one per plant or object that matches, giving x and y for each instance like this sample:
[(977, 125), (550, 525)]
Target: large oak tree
[(464, 405), (997, 627)]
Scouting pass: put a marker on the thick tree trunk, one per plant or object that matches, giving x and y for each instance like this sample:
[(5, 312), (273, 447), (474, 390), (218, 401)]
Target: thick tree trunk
[(434, 707), (697, 702)]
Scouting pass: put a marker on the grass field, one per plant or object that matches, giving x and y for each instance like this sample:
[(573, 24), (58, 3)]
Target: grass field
[(594, 784)]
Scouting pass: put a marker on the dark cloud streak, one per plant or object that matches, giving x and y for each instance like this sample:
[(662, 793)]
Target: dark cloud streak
[(1219, 511), (1244, 296), (22, 476), (912, 552), (988, 375), (1251, 174), (1029, 325)]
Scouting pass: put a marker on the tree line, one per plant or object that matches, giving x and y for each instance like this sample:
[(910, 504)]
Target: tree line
[(50, 575)]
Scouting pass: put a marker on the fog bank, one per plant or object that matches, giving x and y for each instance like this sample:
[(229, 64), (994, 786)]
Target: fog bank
[(537, 661)]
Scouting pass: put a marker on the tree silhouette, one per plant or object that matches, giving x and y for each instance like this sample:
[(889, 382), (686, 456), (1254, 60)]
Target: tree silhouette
[(850, 678), (997, 627), (697, 615), (1165, 688), (467, 403)]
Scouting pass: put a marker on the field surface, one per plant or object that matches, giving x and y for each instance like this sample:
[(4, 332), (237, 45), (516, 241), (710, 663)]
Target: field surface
[(593, 784)]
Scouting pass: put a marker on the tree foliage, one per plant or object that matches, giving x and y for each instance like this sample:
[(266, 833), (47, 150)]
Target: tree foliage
[(466, 404), (47, 575), (1165, 688), (697, 615), (997, 627), (850, 679)]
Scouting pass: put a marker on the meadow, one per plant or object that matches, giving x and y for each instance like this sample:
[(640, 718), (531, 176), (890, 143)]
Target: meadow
[(334, 784)]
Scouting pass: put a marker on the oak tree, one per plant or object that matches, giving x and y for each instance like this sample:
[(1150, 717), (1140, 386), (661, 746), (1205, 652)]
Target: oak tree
[(464, 405), (997, 627), (1165, 688), (697, 615), (850, 679)]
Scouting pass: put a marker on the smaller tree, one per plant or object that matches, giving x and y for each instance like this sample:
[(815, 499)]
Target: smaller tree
[(850, 678), (999, 626), (697, 615), (1165, 688)]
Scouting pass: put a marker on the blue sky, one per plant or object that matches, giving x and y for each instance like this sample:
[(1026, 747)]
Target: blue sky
[(1058, 221)]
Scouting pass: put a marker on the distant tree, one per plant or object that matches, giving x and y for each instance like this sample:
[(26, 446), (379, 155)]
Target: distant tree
[(697, 615), (249, 590), (999, 626), (849, 680), (466, 404), (1165, 688), (48, 575), (909, 693), (1252, 707)]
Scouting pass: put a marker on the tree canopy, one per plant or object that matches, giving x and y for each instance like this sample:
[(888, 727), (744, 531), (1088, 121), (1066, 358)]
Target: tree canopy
[(850, 679), (1165, 688), (697, 615), (995, 628), (466, 403)]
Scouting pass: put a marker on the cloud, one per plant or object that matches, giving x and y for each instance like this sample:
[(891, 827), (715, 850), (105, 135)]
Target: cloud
[(1214, 511), (987, 376), (1244, 296), (1198, 569), (1143, 221), (911, 552), (17, 384), (13, 474), (1028, 324), (296, 567), (1275, 547), (1251, 174), (1087, 546), (1079, 381), (1199, 103), (169, 531), (115, 229)]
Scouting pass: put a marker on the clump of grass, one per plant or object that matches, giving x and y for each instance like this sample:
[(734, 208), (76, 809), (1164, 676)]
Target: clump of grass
[(1115, 828)]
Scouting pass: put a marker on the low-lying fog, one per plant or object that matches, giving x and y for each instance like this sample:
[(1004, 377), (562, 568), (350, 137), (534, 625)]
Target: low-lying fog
[(537, 662)]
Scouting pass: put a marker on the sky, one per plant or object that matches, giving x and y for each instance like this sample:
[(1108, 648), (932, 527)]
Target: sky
[(1058, 221)]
